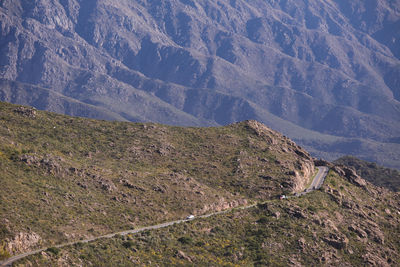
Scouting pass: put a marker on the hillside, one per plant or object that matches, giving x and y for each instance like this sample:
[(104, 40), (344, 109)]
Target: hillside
[(346, 223), (324, 73), (66, 178), (373, 173)]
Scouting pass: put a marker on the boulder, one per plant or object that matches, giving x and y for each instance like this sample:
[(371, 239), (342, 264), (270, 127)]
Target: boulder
[(181, 255), (107, 185), (337, 241)]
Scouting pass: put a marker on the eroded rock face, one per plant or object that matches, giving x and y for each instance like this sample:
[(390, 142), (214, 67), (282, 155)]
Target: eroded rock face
[(351, 175), (222, 204), (299, 172), (262, 130), (22, 242), (301, 178)]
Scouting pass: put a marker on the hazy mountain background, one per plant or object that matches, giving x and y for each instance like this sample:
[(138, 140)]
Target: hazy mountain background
[(325, 73)]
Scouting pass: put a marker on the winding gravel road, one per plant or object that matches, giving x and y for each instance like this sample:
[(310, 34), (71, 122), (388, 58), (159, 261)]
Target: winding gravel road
[(316, 184)]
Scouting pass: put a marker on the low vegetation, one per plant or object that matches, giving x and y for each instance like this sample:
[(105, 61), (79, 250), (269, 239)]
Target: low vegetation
[(66, 178), (340, 225)]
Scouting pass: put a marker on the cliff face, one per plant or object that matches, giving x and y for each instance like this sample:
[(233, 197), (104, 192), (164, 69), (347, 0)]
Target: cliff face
[(305, 68), (300, 171)]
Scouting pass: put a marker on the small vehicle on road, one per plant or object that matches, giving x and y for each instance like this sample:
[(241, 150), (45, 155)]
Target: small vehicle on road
[(190, 217)]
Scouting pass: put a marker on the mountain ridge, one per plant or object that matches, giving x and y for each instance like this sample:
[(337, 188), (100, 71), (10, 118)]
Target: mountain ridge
[(329, 67), (59, 172), (66, 179)]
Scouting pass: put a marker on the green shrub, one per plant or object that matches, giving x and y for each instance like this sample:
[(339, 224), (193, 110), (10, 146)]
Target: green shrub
[(263, 220), (54, 250), (312, 208), (200, 244), (4, 232), (128, 244), (79, 245), (185, 240), (217, 229), (4, 254)]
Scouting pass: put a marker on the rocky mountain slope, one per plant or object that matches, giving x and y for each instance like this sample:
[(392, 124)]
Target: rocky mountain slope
[(324, 73), (373, 173), (349, 222), (65, 178)]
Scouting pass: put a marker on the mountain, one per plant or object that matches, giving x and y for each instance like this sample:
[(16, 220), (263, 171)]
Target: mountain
[(373, 173), (68, 179), (323, 73), (341, 225)]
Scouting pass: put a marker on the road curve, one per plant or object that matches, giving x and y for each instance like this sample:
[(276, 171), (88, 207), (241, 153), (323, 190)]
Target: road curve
[(319, 178), (316, 184)]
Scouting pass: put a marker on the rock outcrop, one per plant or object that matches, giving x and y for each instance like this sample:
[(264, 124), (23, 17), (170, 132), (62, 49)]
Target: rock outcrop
[(27, 112), (222, 204), (52, 164), (337, 241), (302, 170), (22, 242), (351, 175)]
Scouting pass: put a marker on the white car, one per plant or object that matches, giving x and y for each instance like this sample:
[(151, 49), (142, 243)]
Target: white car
[(190, 217)]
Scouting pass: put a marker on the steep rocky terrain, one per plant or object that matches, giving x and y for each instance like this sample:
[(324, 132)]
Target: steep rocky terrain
[(349, 222), (65, 178), (324, 73), (373, 173)]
